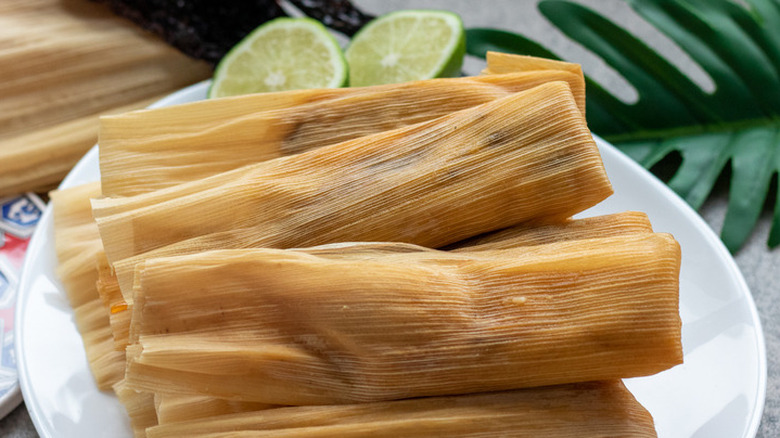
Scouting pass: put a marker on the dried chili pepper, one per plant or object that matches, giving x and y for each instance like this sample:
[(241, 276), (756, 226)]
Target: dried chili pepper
[(208, 29), (340, 15)]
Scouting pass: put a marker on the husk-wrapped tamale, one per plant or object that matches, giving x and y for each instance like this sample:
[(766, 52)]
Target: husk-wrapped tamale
[(524, 157), (522, 235), (63, 64), (77, 244), (584, 410), (149, 150), (287, 327)]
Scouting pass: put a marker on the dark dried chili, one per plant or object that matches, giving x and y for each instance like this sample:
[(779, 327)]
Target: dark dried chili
[(208, 29), (339, 15)]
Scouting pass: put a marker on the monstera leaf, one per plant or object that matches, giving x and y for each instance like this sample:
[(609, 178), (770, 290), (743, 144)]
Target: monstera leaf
[(736, 126)]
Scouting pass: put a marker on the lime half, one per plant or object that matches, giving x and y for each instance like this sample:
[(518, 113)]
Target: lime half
[(407, 45), (282, 54)]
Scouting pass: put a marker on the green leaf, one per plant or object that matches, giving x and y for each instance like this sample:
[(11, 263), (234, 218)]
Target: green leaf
[(481, 41), (737, 125)]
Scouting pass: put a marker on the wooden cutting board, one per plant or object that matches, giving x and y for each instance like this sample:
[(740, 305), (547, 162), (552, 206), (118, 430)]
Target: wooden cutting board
[(62, 64)]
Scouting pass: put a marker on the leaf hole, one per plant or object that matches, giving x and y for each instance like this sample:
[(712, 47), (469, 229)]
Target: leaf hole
[(723, 182), (771, 196), (667, 166)]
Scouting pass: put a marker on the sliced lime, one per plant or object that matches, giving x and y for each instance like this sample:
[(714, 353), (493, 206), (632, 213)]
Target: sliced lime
[(283, 54), (407, 45)]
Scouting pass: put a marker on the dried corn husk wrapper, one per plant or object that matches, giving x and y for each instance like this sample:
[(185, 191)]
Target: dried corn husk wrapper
[(77, 245), (63, 64), (114, 303), (77, 241), (286, 327), (524, 157), (609, 225), (139, 406), (172, 408), (595, 409), (150, 150), (522, 235), (502, 63)]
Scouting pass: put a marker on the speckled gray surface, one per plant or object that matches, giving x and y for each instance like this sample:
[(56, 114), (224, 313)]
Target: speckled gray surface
[(760, 266)]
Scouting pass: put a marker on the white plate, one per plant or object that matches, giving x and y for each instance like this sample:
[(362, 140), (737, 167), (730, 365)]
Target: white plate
[(718, 392)]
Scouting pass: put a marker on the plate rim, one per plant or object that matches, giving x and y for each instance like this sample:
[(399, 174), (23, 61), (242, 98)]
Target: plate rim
[(708, 233), (736, 273)]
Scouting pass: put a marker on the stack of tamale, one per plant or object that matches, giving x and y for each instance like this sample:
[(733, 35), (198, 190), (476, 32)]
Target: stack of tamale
[(398, 260)]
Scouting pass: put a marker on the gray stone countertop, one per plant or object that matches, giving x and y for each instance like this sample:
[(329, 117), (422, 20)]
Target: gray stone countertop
[(759, 265)]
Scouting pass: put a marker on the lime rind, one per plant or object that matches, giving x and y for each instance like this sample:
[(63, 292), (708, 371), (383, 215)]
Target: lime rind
[(228, 71), (450, 59)]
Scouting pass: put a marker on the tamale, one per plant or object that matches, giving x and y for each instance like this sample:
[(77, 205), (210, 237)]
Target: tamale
[(178, 408), (291, 328), (36, 160), (63, 63), (147, 150), (587, 228), (140, 408), (524, 157), (522, 235), (77, 244), (594, 409)]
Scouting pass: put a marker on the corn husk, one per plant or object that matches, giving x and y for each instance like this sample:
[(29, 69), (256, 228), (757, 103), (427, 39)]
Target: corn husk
[(145, 151), (173, 408), (76, 241), (113, 301), (139, 406), (502, 63), (77, 245), (38, 159), (63, 64), (286, 327), (106, 364), (609, 225), (596, 409), (515, 159)]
